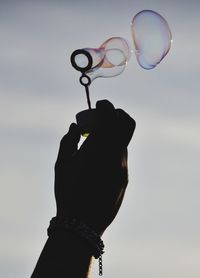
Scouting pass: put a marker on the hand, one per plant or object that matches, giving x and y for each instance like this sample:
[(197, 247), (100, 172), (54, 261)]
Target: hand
[(90, 182)]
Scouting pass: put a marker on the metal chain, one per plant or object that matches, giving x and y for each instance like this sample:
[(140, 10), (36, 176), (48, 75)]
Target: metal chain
[(100, 266)]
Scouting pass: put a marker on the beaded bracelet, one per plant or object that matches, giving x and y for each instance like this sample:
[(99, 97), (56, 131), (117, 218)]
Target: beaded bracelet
[(82, 231)]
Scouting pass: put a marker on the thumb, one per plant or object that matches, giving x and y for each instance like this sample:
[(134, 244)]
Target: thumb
[(68, 144)]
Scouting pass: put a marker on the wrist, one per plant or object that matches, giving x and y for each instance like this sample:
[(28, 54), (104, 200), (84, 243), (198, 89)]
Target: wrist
[(80, 231)]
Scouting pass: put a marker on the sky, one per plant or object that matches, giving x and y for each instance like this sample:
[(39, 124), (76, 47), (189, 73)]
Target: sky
[(156, 233)]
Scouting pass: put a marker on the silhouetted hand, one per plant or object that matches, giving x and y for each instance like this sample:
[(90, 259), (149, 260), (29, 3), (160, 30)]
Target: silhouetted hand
[(90, 182)]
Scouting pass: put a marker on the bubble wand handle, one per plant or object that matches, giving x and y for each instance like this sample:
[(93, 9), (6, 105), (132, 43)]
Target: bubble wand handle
[(88, 97), (86, 81)]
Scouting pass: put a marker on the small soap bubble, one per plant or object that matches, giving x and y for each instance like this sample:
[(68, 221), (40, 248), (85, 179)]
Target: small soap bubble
[(152, 38), (114, 54)]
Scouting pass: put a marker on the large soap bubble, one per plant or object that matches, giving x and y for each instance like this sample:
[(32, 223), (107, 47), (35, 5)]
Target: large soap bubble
[(152, 38)]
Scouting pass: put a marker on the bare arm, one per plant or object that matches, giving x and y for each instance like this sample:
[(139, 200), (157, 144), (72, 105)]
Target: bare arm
[(63, 255)]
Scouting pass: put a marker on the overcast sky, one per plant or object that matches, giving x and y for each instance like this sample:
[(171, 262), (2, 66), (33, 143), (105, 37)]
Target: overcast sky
[(156, 234)]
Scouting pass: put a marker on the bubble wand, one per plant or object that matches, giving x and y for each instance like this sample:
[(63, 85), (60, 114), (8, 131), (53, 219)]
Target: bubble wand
[(81, 60)]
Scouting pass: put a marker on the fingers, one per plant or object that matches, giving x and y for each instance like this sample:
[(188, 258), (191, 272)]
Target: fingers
[(114, 124), (114, 129), (106, 126), (103, 133), (106, 116), (126, 127), (68, 144)]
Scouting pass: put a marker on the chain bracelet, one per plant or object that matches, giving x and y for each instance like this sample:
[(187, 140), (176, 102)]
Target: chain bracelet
[(82, 231), (100, 266)]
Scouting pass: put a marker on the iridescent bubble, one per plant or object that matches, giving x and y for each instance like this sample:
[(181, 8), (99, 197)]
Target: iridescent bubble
[(152, 38), (116, 53)]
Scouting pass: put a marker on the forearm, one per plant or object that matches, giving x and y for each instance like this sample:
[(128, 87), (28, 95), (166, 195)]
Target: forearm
[(63, 256)]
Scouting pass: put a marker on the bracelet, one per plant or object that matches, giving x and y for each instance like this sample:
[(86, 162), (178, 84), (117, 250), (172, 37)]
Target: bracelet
[(82, 231)]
